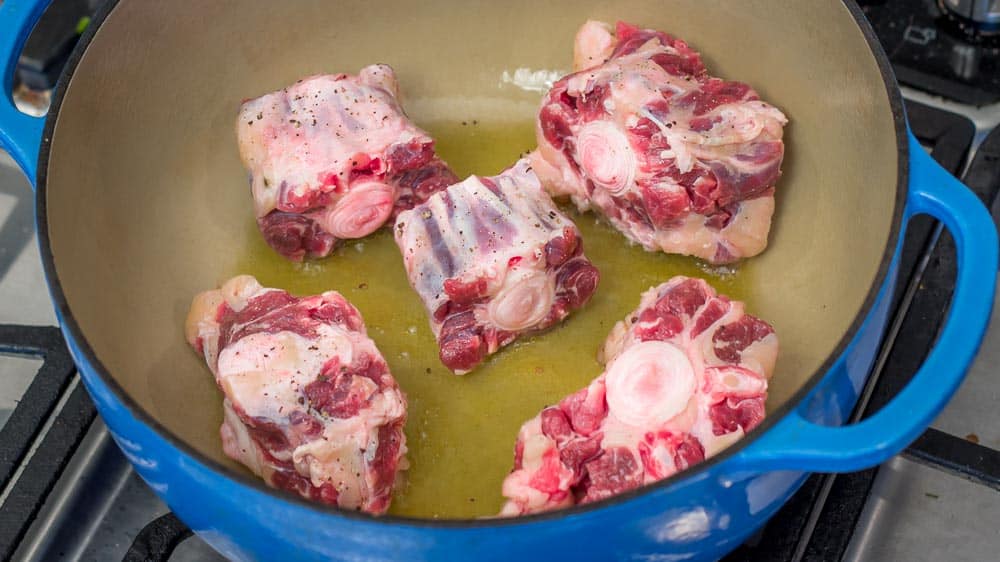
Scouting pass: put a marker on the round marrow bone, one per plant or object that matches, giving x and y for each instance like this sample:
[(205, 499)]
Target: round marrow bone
[(649, 384), (521, 305), (606, 156), (361, 211)]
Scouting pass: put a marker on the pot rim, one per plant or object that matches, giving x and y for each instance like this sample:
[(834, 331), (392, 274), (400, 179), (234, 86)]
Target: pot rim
[(75, 333)]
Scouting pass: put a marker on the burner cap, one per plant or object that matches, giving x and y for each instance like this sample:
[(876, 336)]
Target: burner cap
[(973, 16)]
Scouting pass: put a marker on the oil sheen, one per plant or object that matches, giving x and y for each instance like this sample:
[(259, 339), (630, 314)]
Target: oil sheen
[(461, 429)]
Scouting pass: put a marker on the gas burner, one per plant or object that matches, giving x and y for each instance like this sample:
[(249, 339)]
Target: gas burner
[(946, 47), (976, 25), (976, 18)]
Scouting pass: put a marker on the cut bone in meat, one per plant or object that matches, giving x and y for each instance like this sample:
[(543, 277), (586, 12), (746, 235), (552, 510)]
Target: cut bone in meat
[(493, 258), (676, 159), (334, 157), (686, 375), (310, 405)]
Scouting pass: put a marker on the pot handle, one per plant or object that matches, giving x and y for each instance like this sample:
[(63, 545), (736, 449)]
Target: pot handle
[(20, 134), (799, 444)]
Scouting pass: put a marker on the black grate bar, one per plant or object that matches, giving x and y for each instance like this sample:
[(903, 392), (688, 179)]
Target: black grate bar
[(948, 134), (28, 493), (41, 396), (957, 456), (158, 539)]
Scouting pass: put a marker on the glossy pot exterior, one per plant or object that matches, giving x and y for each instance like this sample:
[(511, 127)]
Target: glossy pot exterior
[(697, 515)]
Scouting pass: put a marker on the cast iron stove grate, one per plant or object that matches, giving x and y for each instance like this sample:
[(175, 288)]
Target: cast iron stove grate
[(33, 456)]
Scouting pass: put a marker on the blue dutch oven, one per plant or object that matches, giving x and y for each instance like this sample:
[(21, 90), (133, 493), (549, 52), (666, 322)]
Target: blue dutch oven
[(133, 220)]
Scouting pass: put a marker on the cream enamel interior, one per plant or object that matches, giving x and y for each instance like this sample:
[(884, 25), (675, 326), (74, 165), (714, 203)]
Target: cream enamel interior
[(148, 203)]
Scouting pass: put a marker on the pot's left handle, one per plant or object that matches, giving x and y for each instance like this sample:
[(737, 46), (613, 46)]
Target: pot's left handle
[(20, 134)]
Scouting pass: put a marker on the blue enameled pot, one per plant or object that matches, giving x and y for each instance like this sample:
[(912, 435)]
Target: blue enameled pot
[(129, 138)]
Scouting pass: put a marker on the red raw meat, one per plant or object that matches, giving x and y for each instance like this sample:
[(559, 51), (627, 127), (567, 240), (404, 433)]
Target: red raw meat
[(686, 375), (676, 159), (334, 157), (310, 404), (493, 258)]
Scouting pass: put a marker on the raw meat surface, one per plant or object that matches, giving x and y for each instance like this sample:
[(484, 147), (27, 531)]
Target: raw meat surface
[(676, 159), (686, 375), (493, 258), (310, 405), (334, 157)]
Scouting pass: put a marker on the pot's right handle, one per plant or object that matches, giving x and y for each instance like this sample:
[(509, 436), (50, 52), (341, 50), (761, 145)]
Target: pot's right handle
[(798, 444), (20, 134)]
